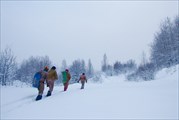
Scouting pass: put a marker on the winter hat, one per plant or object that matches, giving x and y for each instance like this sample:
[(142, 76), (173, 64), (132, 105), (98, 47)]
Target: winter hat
[(53, 68), (46, 68), (67, 70)]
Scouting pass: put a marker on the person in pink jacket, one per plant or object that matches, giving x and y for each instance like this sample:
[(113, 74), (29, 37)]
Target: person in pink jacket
[(83, 80)]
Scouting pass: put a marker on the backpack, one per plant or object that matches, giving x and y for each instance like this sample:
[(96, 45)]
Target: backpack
[(64, 75), (36, 79)]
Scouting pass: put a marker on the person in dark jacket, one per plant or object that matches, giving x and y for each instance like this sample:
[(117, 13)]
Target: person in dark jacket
[(52, 76), (44, 74), (83, 80)]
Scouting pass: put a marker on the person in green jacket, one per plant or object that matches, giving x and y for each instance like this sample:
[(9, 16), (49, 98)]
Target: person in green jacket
[(66, 79)]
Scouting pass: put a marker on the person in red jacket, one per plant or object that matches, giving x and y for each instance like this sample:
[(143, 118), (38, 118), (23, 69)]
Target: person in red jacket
[(83, 80)]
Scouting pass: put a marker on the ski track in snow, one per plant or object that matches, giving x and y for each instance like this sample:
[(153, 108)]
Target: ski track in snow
[(13, 105)]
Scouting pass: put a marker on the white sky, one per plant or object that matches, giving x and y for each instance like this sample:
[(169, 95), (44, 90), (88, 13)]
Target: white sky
[(82, 29)]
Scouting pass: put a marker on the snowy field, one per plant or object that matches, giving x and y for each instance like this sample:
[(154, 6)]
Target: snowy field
[(114, 98)]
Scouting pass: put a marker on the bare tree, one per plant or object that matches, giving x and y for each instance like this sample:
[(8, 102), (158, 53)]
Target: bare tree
[(8, 66), (30, 66)]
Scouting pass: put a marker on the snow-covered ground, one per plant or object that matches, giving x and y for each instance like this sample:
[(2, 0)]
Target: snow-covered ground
[(114, 98)]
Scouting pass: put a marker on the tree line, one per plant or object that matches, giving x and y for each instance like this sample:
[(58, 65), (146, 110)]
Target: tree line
[(164, 53), (11, 71)]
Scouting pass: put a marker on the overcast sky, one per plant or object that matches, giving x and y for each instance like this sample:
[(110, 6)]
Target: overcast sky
[(82, 30)]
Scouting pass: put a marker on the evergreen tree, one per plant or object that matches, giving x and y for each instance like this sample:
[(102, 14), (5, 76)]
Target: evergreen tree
[(104, 63), (90, 70), (117, 67)]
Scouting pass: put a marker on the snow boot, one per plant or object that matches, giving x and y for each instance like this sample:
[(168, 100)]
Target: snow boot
[(48, 93), (39, 97)]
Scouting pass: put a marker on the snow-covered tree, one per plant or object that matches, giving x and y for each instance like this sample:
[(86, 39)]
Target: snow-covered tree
[(90, 70), (104, 63), (143, 72), (106, 68), (76, 69), (122, 68), (164, 50), (30, 66), (83, 66), (117, 67), (8, 67), (175, 53)]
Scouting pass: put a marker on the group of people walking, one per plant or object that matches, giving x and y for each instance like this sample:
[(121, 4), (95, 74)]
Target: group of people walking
[(50, 76)]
